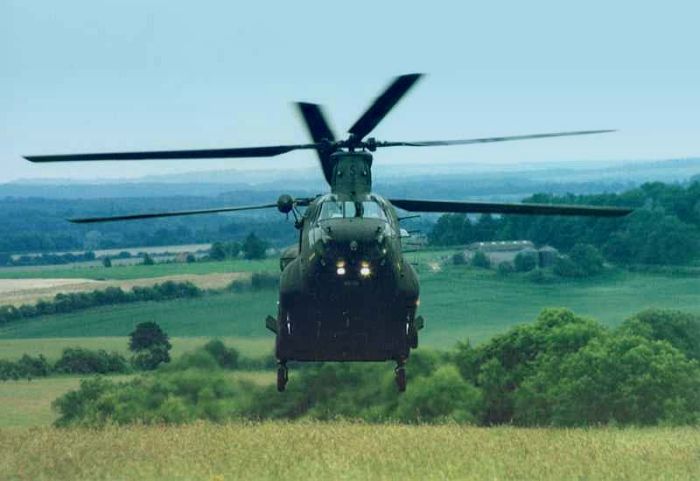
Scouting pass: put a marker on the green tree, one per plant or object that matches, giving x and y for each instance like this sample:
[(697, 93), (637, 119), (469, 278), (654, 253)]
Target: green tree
[(150, 345), (106, 261), (525, 261), (480, 259), (147, 335), (254, 247), (148, 260), (681, 329)]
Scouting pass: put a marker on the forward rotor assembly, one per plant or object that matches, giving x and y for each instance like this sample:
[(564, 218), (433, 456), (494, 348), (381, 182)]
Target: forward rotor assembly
[(323, 139)]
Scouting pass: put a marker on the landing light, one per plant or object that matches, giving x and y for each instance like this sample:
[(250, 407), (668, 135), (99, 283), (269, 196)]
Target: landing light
[(340, 271), (365, 271)]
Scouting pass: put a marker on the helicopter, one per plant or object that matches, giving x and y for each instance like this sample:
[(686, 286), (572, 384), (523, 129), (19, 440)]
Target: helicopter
[(347, 293)]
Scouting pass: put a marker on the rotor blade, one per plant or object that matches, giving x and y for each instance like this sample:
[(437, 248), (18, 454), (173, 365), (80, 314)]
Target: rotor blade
[(90, 220), (500, 208), (383, 104), (268, 151), (486, 140), (320, 133)]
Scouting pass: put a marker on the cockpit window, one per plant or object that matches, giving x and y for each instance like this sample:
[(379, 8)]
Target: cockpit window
[(331, 209)]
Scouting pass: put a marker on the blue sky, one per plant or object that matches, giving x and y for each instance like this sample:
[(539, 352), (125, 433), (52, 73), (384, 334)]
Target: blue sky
[(81, 76)]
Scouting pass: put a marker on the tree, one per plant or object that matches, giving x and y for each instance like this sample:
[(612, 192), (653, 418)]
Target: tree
[(106, 261), (146, 335), (525, 261), (148, 260), (150, 345), (254, 247), (479, 259)]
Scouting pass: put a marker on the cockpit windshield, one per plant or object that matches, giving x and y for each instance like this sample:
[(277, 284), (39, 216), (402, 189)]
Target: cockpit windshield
[(332, 209)]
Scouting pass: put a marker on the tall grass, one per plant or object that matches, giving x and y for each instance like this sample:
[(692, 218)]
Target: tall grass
[(344, 451)]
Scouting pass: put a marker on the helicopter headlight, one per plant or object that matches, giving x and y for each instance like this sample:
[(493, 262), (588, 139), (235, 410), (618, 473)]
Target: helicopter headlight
[(365, 270), (340, 268)]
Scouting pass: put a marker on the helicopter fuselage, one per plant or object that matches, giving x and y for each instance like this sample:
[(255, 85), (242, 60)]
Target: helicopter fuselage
[(346, 291)]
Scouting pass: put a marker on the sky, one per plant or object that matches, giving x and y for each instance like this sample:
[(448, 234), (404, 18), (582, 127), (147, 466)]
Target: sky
[(90, 76)]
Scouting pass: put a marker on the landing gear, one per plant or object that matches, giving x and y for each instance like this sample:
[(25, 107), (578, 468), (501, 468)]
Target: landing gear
[(400, 375), (282, 376)]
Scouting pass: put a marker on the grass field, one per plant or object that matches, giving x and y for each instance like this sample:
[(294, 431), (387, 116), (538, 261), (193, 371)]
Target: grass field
[(457, 304), (342, 451), (12, 349), (139, 271)]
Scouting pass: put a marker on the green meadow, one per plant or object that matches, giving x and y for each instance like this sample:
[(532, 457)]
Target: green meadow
[(456, 302)]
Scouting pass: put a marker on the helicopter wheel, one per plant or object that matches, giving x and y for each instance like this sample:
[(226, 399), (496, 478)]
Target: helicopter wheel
[(282, 377), (400, 377)]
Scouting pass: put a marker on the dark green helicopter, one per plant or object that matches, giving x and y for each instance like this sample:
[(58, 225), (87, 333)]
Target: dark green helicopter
[(346, 291)]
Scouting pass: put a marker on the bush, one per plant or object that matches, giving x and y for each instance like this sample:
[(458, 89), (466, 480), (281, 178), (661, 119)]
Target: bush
[(479, 259), (584, 260), (459, 259), (525, 261), (226, 357), (505, 268), (76, 360)]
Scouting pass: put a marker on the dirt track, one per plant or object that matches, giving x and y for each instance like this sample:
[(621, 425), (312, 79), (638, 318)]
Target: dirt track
[(28, 291)]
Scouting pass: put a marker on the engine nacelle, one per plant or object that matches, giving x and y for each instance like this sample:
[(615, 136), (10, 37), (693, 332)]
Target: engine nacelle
[(285, 203)]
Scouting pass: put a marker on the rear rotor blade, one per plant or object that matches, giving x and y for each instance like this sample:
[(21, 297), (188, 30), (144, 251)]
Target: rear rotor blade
[(486, 140), (383, 105), (268, 151), (501, 208), (154, 215), (320, 133)]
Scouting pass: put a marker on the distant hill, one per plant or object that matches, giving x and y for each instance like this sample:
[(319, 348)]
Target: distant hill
[(454, 180)]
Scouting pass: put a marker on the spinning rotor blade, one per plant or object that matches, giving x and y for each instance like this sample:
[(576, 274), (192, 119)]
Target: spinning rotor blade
[(486, 140), (320, 133), (269, 151), (383, 105), (500, 208), (90, 220)]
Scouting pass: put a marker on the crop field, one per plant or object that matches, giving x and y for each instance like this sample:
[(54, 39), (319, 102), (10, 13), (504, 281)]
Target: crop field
[(345, 451)]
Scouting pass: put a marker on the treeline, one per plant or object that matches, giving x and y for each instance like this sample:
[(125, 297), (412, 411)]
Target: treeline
[(46, 259), (561, 370), (665, 228), (39, 225), (73, 360), (70, 302)]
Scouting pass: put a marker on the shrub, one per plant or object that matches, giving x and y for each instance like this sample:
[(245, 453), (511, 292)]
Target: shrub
[(505, 268), (480, 259), (459, 259), (77, 360), (226, 357), (525, 262)]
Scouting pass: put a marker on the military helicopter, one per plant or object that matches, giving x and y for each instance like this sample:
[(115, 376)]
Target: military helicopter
[(347, 293)]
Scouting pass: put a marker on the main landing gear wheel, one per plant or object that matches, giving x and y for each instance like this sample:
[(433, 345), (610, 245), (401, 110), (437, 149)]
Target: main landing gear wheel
[(282, 376), (400, 377)]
